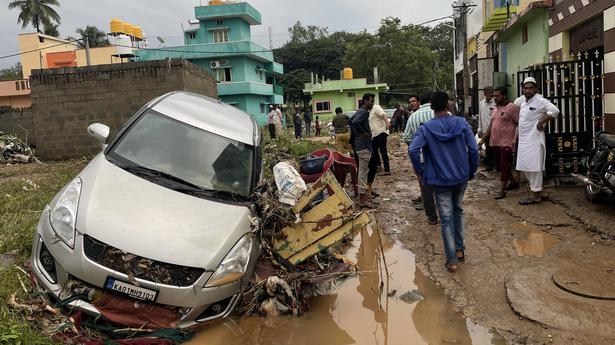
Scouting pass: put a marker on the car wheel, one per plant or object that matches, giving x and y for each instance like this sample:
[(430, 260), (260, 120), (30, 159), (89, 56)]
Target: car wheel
[(594, 194)]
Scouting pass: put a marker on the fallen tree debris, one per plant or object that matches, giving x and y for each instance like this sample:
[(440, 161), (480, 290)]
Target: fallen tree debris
[(14, 150)]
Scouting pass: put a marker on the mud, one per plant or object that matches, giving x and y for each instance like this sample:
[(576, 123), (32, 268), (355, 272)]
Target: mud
[(366, 308), (504, 239)]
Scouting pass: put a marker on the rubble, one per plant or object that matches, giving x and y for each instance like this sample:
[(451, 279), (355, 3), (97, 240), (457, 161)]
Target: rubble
[(14, 150)]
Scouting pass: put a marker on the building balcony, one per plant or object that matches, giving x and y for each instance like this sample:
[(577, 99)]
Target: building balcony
[(209, 51), (497, 13), (274, 67), (242, 10), (245, 87)]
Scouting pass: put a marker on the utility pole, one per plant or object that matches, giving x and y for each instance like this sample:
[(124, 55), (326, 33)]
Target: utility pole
[(87, 50), (464, 7), (270, 39)]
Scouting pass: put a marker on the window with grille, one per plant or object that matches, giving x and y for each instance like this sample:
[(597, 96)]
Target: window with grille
[(220, 36), (191, 35), (323, 106)]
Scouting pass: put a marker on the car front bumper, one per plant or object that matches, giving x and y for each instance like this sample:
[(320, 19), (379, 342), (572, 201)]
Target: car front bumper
[(197, 303)]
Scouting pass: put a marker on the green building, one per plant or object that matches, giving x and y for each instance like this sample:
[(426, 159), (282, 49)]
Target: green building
[(524, 43), (220, 42), (345, 93)]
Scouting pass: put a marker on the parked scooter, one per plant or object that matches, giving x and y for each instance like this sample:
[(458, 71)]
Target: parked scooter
[(600, 178)]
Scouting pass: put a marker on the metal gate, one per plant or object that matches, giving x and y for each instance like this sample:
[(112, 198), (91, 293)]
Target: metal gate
[(576, 88)]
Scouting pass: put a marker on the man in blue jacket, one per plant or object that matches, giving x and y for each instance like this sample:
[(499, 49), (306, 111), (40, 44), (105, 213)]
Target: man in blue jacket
[(450, 159)]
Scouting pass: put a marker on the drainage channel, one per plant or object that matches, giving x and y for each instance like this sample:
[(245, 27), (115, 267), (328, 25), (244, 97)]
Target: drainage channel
[(367, 308)]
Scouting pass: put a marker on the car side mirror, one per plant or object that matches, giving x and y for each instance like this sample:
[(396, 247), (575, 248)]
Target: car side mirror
[(100, 132)]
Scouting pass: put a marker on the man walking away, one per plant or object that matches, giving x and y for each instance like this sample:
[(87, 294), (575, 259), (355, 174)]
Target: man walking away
[(423, 114), (362, 144), (340, 126), (308, 122), (502, 137), (398, 119), (485, 109), (379, 124), (297, 123), (450, 159), (270, 121), (534, 115)]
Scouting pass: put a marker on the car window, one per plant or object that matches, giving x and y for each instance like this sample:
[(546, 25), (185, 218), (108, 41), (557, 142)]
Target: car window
[(199, 157)]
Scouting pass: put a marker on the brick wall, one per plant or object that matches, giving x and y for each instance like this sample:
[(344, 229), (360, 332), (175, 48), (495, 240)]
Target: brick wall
[(66, 101)]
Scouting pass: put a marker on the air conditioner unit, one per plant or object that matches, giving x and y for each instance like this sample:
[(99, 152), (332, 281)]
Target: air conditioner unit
[(215, 64)]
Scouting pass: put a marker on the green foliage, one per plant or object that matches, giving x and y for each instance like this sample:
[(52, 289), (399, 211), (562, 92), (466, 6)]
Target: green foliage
[(21, 204), (11, 73), (51, 29), (96, 38), (36, 12), (304, 34)]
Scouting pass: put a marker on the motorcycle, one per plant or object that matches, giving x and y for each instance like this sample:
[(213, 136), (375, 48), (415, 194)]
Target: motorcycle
[(600, 177)]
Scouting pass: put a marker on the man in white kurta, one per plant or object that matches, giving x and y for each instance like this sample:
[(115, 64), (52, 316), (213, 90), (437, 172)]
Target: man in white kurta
[(535, 113)]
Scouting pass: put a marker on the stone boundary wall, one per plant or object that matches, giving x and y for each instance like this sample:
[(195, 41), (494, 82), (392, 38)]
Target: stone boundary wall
[(66, 101)]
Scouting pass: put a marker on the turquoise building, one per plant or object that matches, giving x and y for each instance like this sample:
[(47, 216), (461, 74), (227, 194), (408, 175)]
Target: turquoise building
[(220, 41)]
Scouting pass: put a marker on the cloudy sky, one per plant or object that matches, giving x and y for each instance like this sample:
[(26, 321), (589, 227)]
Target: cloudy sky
[(164, 17)]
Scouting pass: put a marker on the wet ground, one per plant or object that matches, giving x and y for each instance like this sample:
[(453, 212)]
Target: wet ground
[(513, 252), (368, 308)]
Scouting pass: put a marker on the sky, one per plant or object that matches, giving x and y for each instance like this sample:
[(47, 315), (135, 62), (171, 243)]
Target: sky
[(163, 18)]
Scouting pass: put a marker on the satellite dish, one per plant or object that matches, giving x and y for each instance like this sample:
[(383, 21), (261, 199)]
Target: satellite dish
[(160, 39)]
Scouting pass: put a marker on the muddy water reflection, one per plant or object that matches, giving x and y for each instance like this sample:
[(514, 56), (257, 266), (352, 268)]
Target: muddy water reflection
[(358, 311), (535, 242)]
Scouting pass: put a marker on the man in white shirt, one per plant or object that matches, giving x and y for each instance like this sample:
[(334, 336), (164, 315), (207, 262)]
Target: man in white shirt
[(485, 109), (379, 124), (534, 115), (271, 121), (278, 119)]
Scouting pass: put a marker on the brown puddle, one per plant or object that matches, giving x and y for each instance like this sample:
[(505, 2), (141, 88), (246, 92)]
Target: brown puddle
[(536, 242), (355, 312)]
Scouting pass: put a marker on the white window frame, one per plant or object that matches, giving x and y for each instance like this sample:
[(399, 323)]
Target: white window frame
[(322, 101), (220, 36), (221, 75)]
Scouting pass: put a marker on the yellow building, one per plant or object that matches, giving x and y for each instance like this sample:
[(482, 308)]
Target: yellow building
[(34, 48)]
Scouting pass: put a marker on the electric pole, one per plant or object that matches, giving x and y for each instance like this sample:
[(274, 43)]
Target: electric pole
[(464, 7)]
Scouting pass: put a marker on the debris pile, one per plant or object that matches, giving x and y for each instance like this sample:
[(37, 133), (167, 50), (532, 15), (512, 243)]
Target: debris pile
[(14, 150)]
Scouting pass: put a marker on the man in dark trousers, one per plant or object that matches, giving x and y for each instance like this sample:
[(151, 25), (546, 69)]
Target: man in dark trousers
[(450, 159), (361, 138), (308, 122)]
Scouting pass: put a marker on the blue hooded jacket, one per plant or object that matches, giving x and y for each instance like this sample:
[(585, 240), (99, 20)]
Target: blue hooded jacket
[(449, 149)]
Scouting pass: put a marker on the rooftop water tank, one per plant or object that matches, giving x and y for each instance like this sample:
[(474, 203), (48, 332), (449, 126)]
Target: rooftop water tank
[(216, 2), (347, 73), (116, 26), (129, 29), (138, 32)]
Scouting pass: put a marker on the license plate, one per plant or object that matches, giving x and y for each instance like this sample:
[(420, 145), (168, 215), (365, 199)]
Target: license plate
[(131, 290)]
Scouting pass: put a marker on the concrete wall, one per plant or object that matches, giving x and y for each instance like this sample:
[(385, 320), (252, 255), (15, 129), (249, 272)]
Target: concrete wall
[(521, 55), (67, 101)]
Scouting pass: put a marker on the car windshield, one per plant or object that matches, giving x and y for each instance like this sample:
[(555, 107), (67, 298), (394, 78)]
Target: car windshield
[(189, 156)]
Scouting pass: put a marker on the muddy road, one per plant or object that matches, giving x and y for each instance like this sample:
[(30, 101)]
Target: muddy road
[(513, 254)]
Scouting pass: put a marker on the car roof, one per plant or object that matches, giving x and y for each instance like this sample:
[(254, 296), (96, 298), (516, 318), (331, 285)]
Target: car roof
[(209, 114)]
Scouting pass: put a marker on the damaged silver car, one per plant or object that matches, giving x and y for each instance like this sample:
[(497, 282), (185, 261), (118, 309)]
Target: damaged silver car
[(163, 215)]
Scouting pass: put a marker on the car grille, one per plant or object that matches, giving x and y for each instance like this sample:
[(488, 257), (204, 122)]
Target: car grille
[(142, 268)]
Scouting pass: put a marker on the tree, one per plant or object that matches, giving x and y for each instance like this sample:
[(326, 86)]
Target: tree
[(303, 34), (36, 12), (293, 83), (96, 38), (11, 73), (51, 30)]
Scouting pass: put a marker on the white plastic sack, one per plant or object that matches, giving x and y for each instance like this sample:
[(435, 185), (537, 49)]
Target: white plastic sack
[(477, 141), (290, 184)]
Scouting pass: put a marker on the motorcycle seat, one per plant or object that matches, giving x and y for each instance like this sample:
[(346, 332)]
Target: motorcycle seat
[(607, 139)]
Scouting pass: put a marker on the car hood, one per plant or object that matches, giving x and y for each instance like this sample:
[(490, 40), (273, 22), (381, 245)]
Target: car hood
[(145, 219)]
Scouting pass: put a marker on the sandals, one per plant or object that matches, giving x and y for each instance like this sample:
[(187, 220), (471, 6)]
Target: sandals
[(462, 257), (500, 195), (452, 268), (529, 201)]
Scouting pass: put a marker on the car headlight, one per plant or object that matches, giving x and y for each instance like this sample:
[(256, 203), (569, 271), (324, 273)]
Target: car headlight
[(235, 263), (63, 213)]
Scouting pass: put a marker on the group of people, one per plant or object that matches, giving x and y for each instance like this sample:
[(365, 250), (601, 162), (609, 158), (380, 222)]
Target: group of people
[(307, 119), (444, 152)]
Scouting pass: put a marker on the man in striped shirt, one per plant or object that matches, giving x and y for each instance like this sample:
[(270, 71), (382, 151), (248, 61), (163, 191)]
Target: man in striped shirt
[(422, 115)]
